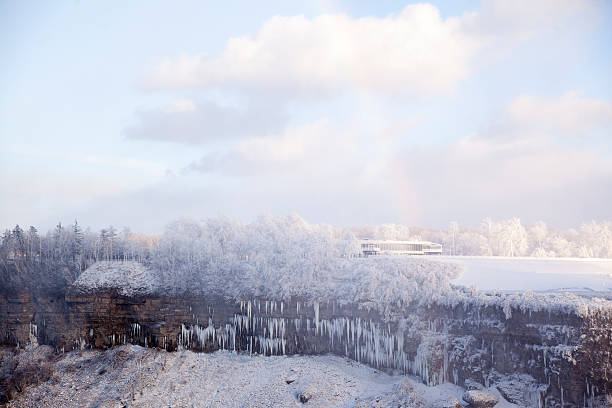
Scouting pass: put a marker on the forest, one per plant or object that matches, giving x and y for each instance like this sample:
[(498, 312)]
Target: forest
[(55, 259)]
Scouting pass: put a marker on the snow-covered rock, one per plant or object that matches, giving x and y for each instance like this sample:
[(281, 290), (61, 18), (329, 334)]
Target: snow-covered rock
[(480, 399), (128, 278)]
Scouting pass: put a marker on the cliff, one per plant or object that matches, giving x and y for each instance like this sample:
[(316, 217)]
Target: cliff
[(534, 358)]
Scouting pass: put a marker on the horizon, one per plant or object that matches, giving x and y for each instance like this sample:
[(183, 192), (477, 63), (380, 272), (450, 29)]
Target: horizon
[(97, 227)]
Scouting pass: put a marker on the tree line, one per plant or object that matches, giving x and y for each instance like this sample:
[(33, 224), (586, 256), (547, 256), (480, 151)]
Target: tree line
[(77, 248), (506, 238), (52, 261), (73, 245)]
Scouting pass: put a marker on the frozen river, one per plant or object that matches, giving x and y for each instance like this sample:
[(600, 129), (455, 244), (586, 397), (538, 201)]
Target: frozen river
[(537, 274)]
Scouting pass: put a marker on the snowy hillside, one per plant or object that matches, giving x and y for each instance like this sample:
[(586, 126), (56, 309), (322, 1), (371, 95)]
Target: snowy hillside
[(137, 377)]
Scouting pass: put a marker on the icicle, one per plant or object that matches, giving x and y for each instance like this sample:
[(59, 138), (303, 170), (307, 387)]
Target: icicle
[(316, 314)]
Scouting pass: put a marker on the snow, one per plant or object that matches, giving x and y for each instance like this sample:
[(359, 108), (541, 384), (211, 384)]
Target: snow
[(537, 274), (381, 283), (377, 282), (139, 377), (279, 258), (129, 278)]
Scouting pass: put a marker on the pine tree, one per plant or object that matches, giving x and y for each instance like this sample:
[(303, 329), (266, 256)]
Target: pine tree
[(77, 244), (7, 244), (19, 243), (33, 243), (58, 242)]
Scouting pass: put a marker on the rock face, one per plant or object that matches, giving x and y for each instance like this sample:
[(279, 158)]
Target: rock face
[(539, 359)]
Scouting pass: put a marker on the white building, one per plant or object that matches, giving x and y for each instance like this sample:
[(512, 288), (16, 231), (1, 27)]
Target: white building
[(388, 247)]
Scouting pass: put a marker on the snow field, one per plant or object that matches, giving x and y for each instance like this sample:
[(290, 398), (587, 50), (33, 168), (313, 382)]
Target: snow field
[(537, 274)]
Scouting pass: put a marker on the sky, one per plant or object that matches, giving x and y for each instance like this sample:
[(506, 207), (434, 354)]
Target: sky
[(345, 112)]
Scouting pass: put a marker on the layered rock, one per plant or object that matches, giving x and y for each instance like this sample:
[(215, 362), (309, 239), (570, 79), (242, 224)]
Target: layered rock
[(534, 358)]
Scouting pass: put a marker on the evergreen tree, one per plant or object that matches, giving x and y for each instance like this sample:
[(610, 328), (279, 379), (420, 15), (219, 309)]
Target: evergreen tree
[(34, 243), (19, 243), (76, 249), (7, 244)]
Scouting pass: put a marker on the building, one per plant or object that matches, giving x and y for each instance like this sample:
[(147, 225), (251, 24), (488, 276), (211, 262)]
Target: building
[(388, 247)]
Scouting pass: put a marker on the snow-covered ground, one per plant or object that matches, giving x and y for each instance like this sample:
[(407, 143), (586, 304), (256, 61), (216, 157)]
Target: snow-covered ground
[(137, 377), (537, 274)]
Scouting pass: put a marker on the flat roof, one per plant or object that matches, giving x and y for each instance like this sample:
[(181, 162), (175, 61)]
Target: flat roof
[(390, 241)]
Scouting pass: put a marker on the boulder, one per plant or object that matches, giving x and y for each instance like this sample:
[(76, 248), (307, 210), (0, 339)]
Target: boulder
[(480, 399), (304, 397)]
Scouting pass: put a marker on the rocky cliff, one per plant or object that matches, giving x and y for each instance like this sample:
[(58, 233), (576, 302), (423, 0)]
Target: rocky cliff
[(534, 358)]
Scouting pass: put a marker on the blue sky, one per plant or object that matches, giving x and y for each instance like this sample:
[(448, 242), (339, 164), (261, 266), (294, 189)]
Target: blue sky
[(344, 112)]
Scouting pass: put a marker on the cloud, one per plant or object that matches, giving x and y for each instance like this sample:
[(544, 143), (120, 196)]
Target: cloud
[(569, 114), (474, 178), (522, 19), (529, 118), (347, 174), (185, 121), (415, 51), (518, 165), (327, 180), (536, 177), (306, 149), (180, 105)]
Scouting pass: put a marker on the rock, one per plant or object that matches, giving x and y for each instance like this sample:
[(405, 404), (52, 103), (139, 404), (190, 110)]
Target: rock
[(290, 377), (445, 403), (521, 389), (304, 397), (454, 403), (480, 399), (473, 385)]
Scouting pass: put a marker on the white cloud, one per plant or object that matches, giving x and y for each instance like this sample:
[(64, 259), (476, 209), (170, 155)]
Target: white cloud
[(415, 51), (571, 113), (180, 105), (301, 151), (521, 19), (189, 122)]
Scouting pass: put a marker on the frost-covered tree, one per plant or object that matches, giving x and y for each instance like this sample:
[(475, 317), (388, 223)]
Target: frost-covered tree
[(453, 230), (538, 233), (513, 237), (560, 246)]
